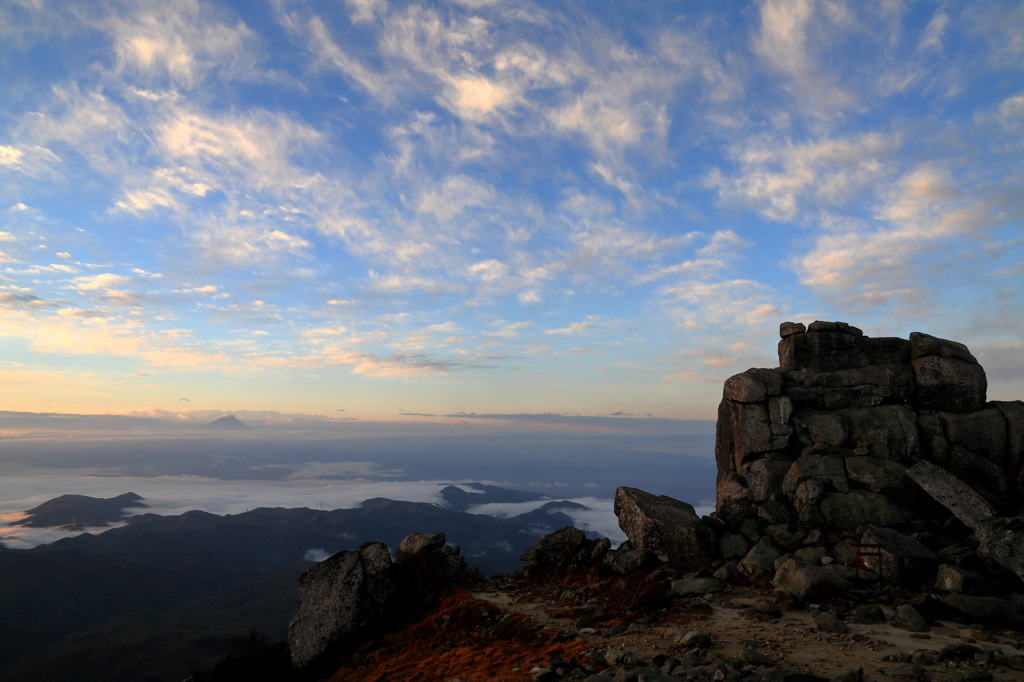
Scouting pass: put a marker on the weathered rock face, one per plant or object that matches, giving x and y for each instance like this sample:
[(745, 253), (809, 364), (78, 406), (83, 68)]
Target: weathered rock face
[(354, 594), (826, 438), (346, 593), (665, 527)]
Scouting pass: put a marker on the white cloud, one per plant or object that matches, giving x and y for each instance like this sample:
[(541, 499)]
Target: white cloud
[(366, 10), (32, 160), (925, 209), (105, 280), (453, 196), (244, 244), (181, 41), (933, 32), (778, 178)]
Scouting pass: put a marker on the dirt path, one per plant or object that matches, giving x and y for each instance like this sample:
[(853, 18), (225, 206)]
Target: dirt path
[(792, 641)]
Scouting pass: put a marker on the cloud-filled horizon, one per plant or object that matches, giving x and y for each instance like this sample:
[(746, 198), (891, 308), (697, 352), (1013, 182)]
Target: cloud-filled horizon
[(411, 210), (332, 466)]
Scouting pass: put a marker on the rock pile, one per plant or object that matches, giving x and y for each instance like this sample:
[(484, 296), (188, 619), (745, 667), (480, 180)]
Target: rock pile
[(859, 467), (851, 431)]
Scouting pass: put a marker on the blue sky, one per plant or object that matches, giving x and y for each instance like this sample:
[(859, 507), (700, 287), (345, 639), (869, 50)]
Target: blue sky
[(367, 209)]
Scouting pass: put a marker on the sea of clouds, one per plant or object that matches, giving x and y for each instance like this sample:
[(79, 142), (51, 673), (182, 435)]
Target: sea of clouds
[(276, 465)]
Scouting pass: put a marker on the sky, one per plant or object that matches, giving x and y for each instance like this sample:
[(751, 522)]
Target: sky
[(379, 210)]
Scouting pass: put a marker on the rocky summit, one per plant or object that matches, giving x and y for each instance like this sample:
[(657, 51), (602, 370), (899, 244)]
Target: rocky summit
[(869, 525), (851, 431)]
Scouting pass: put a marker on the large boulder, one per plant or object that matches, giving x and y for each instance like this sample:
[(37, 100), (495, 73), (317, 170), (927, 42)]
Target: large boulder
[(665, 527), (349, 594), (949, 378), (426, 562), (564, 550), (354, 595), (809, 583)]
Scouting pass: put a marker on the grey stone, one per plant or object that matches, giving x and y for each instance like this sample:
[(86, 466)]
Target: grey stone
[(959, 581), (811, 555), (347, 595), (855, 675), (985, 609), (790, 328), (949, 384), (745, 433), (695, 639), (882, 476), (811, 476), (753, 386), (1013, 413), (415, 543), (903, 559), (851, 510), (845, 553), (764, 476), (727, 571), (983, 432), (825, 429), (925, 344), (838, 327), (734, 500), (832, 346), (1002, 544), (761, 557), (666, 527), (626, 561), (906, 617), (868, 614), (754, 657), (886, 432), (686, 587), (868, 386), (808, 582), (555, 552), (908, 671), (732, 545), (784, 537), (826, 621), (949, 491)]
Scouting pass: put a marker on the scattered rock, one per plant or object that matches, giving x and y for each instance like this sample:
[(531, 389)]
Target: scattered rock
[(867, 614), (696, 586), (827, 621), (906, 617), (761, 557)]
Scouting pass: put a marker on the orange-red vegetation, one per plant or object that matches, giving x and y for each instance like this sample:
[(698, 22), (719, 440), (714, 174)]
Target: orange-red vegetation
[(462, 637)]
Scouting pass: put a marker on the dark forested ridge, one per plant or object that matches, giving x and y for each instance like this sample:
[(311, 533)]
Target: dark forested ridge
[(165, 595)]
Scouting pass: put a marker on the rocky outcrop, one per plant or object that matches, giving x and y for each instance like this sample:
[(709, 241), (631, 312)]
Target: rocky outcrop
[(826, 438), (878, 439), (353, 595)]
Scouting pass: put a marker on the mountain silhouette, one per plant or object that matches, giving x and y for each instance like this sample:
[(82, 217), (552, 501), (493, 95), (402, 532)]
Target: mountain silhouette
[(79, 511), (228, 422)]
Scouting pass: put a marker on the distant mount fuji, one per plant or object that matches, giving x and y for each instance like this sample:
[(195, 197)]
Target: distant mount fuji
[(228, 422)]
